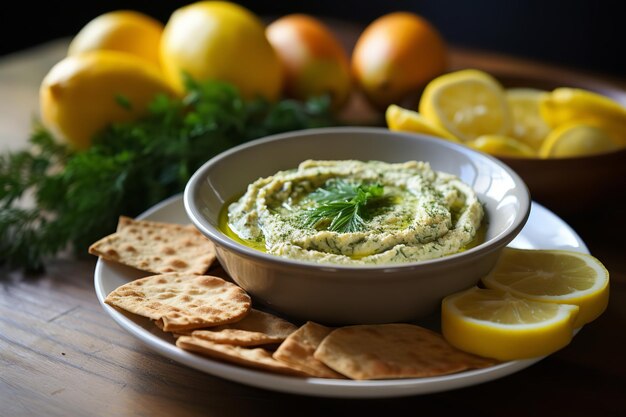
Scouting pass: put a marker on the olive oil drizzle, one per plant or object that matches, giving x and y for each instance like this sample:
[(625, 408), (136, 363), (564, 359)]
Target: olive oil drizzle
[(260, 244)]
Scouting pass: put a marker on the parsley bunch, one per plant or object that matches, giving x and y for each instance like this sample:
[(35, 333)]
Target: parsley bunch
[(131, 166)]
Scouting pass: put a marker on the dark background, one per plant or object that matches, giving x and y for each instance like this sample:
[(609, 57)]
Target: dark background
[(584, 34)]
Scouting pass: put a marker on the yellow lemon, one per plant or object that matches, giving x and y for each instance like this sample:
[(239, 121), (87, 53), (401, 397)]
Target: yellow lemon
[(499, 325), (554, 276), (528, 125), (574, 139), (500, 145), (121, 30), (467, 103), (222, 41), (82, 94), (406, 120)]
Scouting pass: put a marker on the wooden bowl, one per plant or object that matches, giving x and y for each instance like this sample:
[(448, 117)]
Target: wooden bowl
[(568, 185), (571, 185), (562, 185)]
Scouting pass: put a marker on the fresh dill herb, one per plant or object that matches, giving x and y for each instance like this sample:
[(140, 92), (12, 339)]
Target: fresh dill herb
[(78, 196), (341, 205)]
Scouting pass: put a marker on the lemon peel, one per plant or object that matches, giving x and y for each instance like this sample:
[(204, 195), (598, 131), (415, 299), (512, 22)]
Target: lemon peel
[(565, 105), (405, 120), (501, 145), (575, 140)]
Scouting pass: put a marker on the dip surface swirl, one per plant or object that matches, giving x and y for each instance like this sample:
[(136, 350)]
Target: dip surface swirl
[(423, 214)]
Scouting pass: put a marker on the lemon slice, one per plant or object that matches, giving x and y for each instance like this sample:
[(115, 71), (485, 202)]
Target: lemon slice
[(502, 146), (528, 125), (467, 103), (554, 276), (499, 325), (574, 140), (406, 120), (566, 105)]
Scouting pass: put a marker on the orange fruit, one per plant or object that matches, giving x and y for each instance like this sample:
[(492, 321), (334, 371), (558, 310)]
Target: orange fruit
[(395, 56), (314, 62)]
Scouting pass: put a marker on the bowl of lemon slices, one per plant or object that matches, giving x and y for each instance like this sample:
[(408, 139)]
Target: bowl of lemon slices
[(567, 143)]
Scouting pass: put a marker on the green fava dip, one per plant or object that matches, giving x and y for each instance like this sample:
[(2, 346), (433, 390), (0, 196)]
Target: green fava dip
[(357, 213)]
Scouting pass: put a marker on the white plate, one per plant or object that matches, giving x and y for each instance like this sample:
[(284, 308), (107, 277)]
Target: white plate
[(544, 230)]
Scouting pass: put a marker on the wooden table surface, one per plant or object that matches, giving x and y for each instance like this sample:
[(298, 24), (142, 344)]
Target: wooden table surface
[(61, 355)]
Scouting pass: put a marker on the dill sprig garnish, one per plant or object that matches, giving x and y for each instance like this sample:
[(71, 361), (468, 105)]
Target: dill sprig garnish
[(341, 206)]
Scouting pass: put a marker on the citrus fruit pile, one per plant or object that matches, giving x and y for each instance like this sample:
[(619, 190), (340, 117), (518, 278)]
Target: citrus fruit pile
[(532, 303), (472, 107), (120, 60)]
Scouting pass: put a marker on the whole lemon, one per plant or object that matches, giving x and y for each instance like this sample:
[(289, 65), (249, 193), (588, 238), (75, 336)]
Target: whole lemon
[(395, 56), (82, 94), (121, 30), (314, 61), (221, 41)]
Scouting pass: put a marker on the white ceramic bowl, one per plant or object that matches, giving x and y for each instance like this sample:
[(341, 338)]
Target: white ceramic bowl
[(334, 294)]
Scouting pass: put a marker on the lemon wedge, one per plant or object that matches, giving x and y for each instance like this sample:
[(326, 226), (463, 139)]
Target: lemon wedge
[(467, 103), (502, 146), (565, 105), (553, 276), (528, 125), (406, 120), (574, 139), (499, 325)]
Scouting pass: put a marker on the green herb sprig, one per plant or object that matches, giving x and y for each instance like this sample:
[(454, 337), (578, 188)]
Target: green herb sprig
[(79, 195), (341, 205)]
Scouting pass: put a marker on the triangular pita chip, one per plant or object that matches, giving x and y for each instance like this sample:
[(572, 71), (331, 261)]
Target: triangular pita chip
[(255, 358), (182, 301), (298, 349), (257, 328), (385, 351), (157, 247)]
